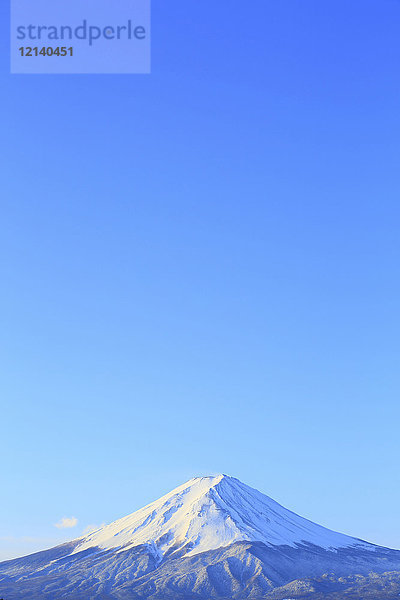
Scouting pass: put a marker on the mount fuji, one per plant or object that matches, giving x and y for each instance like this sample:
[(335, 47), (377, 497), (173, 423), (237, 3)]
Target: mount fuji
[(211, 538)]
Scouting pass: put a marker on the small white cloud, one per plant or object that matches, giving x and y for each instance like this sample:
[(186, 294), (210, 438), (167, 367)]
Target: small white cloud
[(67, 523)]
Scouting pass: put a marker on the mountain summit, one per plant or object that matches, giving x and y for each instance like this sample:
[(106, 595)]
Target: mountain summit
[(211, 538), (207, 513)]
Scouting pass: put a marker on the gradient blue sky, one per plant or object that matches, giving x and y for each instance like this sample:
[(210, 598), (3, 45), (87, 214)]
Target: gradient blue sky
[(200, 271)]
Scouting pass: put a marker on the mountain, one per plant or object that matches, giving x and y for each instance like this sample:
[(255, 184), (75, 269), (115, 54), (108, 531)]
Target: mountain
[(211, 538)]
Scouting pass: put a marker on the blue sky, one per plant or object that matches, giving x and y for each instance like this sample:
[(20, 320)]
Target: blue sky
[(200, 271)]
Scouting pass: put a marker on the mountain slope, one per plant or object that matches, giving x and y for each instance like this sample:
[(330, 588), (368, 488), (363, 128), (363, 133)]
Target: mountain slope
[(209, 512), (213, 537)]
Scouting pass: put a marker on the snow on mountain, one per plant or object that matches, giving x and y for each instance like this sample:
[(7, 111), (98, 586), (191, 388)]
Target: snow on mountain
[(212, 538), (207, 513)]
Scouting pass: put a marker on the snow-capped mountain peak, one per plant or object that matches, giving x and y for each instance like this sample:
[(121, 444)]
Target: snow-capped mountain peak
[(207, 513), (213, 537)]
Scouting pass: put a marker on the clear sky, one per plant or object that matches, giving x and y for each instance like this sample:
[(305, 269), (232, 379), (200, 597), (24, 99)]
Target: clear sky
[(200, 271)]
